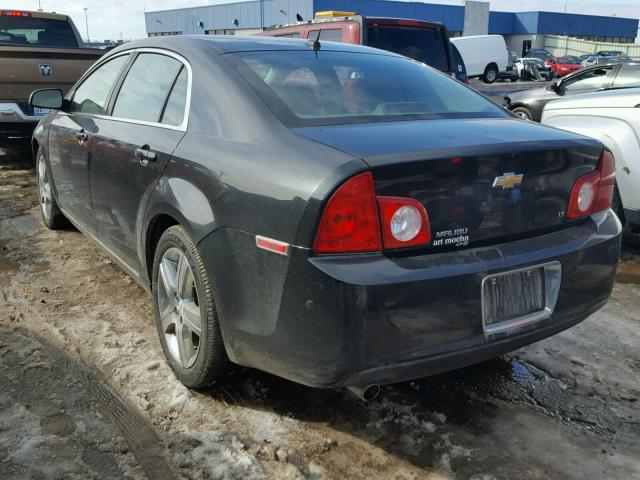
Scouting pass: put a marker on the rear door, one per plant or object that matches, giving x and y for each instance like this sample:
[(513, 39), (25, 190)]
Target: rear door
[(70, 137), (132, 145)]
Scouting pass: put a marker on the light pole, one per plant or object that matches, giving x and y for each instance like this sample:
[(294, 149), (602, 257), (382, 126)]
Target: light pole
[(565, 6), (86, 22)]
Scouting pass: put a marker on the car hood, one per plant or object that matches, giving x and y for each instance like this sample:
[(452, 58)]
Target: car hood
[(533, 94), (396, 142), (627, 98)]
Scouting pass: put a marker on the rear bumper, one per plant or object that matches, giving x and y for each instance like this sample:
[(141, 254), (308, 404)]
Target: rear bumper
[(10, 112), (632, 217), (332, 321)]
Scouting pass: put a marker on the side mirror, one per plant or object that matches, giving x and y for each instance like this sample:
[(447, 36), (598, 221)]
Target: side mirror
[(555, 86), (47, 98)]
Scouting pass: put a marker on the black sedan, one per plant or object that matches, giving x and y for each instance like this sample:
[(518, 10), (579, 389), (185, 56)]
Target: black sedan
[(333, 214), (529, 104)]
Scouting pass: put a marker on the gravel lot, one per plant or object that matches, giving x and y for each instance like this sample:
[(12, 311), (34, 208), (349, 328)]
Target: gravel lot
[(85, 392)]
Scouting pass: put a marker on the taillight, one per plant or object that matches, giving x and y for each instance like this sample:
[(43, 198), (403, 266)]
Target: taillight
[(355, 220), (350, 219), (593, 192), (404, 222), (607, 168), (14, 13)]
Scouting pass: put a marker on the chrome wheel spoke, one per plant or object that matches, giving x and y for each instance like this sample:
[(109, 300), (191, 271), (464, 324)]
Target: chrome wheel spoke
[(168, 276), (178, 307), (186, 346), (191, 316)]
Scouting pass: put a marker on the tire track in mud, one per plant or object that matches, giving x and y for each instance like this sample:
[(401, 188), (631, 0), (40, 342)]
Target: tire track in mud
[(145, 445)]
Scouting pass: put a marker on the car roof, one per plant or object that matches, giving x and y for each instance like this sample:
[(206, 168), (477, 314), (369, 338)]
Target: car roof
[(240, 43), (615, 98)]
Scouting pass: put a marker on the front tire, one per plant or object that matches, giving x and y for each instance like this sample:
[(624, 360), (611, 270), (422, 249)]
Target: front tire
[(52, 217), (490, 74), (523, 113), (185, 311)]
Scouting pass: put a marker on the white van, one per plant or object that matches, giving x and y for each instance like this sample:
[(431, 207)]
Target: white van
[(485, 56)]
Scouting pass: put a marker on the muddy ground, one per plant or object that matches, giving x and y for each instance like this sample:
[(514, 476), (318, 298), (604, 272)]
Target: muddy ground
[(85, 391)]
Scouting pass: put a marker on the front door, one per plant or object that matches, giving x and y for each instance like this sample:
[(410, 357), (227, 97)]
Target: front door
[(132, 146), (70, 139)]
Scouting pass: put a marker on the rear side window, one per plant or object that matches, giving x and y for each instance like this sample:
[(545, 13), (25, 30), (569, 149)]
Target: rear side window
[(145, 89), (426, 46), (290, 35), (175, 110), (328, 35), (307, 88), (92, 94), (629, 76), (44, 32)]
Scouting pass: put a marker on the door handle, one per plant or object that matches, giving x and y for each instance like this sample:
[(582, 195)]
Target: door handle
[(145, 155), (82, 136)]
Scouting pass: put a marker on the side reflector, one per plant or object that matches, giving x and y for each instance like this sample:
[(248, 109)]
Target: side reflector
[(271, 245)]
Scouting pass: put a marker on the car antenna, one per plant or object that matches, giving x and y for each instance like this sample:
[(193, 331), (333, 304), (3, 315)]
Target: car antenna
[(315, 44)]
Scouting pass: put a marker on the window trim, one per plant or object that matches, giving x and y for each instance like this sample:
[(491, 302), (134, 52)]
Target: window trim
[(115, 89)]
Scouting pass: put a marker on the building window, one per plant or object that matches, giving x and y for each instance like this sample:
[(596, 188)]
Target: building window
[(163, 34), (220, 31)]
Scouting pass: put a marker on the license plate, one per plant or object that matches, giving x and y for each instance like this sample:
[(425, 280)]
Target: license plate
[(513, 299), (41, 112)]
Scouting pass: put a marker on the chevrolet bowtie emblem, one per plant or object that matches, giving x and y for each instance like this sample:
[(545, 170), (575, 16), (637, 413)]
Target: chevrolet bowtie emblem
[(508, 180)]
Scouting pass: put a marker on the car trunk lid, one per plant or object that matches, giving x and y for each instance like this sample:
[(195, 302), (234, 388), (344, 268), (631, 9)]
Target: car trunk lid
[(481, 181)]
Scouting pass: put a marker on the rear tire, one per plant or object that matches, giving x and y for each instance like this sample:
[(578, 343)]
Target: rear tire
[(523, 112), (185, 311), (491, 74), (52, 217)]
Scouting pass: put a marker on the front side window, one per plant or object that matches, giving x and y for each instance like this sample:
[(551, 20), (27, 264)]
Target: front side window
[(92, 94), (592, 80), (146, 87), (329, 87)]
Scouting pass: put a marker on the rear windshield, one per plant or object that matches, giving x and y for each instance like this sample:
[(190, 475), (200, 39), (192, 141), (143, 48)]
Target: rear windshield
[(567, 61), (426, 46), (307, 88), (33, 31)]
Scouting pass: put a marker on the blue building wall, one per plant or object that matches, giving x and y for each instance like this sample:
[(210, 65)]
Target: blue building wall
[(452, 16), (251, 14), (256, 14), (506, 23)]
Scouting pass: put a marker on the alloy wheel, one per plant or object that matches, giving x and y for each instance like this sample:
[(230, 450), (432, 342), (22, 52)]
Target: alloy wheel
[(179, 307), (44, 189)]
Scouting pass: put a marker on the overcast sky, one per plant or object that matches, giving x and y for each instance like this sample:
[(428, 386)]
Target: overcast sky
[(108, 19)]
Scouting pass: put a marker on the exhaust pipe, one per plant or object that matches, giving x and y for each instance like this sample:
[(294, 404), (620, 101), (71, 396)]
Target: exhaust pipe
[(365, 393)]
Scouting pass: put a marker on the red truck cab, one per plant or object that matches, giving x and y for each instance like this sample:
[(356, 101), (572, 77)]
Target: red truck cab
[(427, 42)]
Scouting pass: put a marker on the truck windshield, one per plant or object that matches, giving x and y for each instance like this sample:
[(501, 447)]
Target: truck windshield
[(426, 46), (312, 88), (32, 31)]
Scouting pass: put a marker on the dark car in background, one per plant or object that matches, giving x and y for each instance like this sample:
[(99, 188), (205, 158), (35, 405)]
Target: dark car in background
[(529, 103), (330, 213), (427, 42), (541, 53)]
